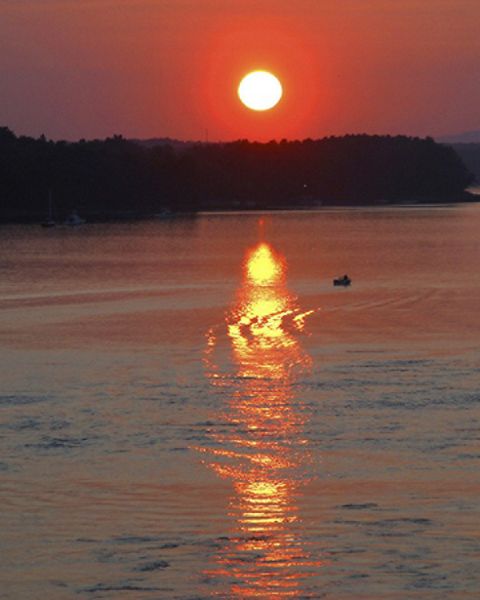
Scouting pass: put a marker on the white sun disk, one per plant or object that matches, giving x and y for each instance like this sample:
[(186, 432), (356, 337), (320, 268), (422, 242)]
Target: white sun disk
[(260, 90)]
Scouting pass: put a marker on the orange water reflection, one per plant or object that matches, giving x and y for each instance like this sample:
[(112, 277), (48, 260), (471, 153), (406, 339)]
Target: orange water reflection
[(261, 448)]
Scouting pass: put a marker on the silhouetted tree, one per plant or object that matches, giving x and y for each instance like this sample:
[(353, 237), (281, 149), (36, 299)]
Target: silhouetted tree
[(116, 177)]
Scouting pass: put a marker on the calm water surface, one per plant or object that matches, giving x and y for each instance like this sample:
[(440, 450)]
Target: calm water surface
[(190, 410)]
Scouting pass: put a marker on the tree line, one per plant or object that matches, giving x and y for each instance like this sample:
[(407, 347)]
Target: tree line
[(117, 177)]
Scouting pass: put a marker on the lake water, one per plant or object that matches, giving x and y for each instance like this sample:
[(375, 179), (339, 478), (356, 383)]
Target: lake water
[(190, 410)]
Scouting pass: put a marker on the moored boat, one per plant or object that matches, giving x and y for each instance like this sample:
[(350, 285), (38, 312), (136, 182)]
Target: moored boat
[(73, 219)]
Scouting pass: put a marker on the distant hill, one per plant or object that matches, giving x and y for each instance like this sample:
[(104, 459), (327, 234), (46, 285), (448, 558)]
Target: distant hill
[(467, 146), (470, 154), (467, 137)]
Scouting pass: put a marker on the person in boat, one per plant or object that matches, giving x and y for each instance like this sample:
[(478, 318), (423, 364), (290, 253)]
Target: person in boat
[(345, 280)]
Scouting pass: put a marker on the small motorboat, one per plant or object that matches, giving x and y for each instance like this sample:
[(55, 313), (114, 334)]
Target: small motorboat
[(73, 220), (344, 281)]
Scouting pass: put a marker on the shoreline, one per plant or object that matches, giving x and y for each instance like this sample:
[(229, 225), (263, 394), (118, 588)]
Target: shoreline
[(127, 216)]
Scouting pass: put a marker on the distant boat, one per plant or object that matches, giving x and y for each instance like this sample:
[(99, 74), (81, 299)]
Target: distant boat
[(73, 220), (344, 281), (165, 213), (49, 221)]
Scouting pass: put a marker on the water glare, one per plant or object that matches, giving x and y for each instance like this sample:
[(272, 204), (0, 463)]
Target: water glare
[(263, 450)]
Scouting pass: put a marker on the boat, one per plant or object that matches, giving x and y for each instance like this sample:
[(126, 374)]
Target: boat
[(73, 220), (344, 281), (165, 213), (49, 221)]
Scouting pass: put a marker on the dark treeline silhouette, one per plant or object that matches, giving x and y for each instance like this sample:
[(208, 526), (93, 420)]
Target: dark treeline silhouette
[(121, 178)]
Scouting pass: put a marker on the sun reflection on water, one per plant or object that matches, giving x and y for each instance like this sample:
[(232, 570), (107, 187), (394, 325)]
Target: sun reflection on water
[(264, 267), (262, 451)]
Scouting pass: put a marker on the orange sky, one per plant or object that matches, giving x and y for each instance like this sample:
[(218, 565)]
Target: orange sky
[(154, 68)]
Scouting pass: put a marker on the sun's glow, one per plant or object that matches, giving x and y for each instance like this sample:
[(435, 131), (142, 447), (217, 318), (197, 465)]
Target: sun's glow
[(260, 90)]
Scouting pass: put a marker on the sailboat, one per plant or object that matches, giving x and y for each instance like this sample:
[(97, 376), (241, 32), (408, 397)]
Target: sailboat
[(49, 221)]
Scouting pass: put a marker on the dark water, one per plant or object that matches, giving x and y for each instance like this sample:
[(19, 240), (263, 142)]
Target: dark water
[(189, 409)]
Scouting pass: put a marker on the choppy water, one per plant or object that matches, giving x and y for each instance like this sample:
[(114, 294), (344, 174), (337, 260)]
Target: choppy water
[(190, 410)]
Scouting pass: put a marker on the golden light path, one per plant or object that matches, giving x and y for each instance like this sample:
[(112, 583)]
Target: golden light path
[(260, 90), (263, 452)]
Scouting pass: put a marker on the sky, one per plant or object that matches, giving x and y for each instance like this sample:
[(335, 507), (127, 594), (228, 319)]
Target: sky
[(74, 69)]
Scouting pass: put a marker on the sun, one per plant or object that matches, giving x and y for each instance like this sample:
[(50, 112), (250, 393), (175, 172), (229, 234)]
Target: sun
[(260, 90)]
